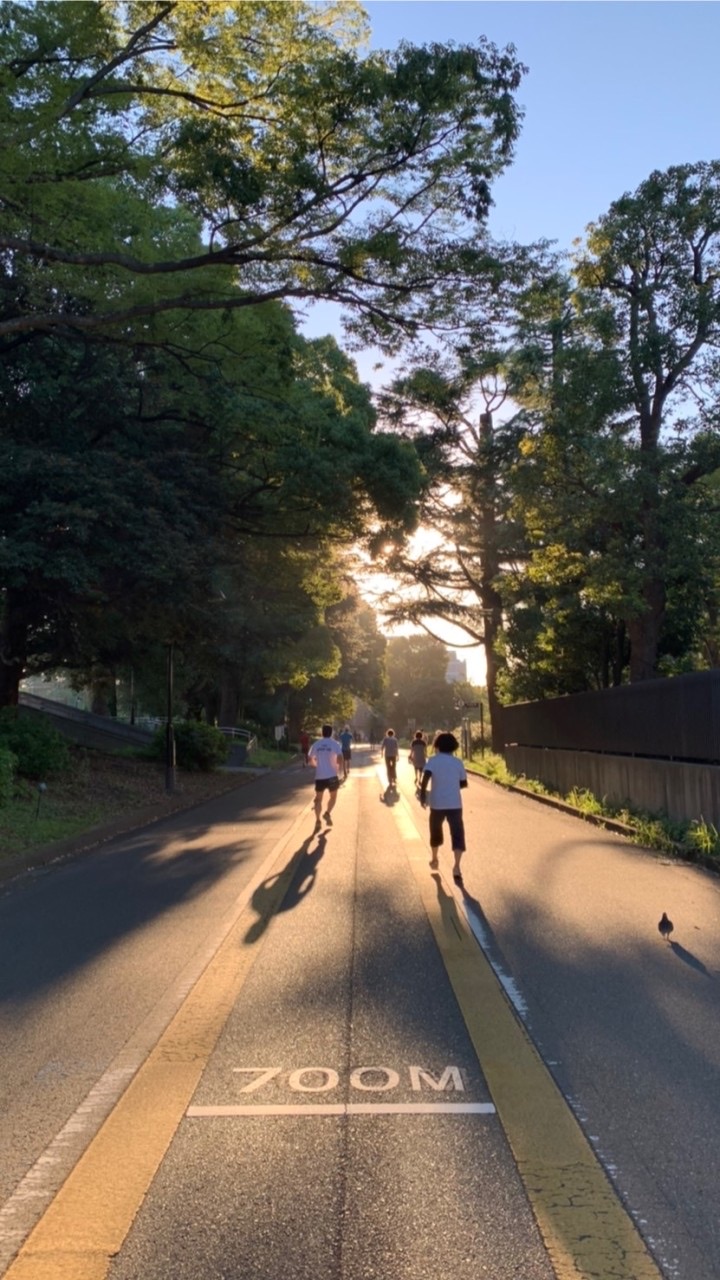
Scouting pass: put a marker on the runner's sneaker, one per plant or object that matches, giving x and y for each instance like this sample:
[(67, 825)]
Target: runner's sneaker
[(328, 819)]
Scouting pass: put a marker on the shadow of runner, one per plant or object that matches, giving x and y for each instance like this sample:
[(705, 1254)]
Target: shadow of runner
[(287, 888), (448, 908)]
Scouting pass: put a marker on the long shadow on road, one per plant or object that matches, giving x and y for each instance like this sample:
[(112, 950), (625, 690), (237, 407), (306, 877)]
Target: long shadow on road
[(57, 922), (264, 899)]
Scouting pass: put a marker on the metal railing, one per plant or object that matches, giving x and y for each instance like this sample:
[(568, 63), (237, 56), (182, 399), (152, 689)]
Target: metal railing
[(247, 738)]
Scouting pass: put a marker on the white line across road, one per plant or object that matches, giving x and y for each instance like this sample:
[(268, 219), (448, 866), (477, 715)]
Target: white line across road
[(349, 1109)]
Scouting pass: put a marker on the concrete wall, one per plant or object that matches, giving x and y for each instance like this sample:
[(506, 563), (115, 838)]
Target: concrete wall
[(683, 791)]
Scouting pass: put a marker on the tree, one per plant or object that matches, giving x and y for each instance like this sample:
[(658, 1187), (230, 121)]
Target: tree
[(465, 503), (278, 162), (418, 694), (616, 382), (191, 491), (105, 528), (650, 280)]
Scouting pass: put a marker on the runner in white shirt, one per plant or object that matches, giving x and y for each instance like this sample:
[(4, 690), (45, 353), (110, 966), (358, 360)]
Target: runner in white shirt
[(446, 776), (326, 754)]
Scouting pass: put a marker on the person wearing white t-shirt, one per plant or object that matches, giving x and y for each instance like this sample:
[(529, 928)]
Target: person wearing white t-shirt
[(446, 777), (326, 754)]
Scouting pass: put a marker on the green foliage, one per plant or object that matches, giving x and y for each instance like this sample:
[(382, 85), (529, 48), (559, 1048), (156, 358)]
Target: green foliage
[(493, 766), (270, 757), (702, 838), (197, 745), (8, 761), (40, 750), (416, 671), (579, 539), (584, 800), (312, 170)]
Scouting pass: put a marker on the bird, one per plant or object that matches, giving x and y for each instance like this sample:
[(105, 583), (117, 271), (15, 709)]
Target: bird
[(665, 926)]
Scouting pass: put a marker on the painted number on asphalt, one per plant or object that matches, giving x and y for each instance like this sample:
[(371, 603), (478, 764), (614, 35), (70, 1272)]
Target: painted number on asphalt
[(364, 1079)]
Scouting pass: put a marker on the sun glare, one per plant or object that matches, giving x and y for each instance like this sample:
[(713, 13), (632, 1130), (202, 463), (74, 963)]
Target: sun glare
[(376, 587)]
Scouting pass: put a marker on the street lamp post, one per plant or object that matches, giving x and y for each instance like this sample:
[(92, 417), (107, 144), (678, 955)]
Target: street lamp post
[(169, 731), (465, 730)]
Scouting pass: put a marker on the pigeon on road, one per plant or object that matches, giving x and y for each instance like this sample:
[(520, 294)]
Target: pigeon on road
[(665, 926)]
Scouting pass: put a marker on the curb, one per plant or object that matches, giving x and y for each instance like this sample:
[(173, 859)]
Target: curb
[(609, 824), (554, 802)]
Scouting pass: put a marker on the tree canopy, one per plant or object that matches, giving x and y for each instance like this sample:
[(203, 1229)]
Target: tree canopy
[(278, 161), (571, 450)]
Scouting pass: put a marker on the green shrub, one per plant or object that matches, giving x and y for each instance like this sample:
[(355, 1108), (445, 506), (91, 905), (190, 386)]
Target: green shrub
[(197, 745), (40, 749), (8, 761), (493, 766), (702, 837), (584, 800)]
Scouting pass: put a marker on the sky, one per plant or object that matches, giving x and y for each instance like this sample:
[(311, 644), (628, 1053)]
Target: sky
[(614, 90)]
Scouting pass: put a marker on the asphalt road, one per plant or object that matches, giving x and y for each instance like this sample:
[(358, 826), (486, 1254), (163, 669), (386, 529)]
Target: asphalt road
[(330, 1023)]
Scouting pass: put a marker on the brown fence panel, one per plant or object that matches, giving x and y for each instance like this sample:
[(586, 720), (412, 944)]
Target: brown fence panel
[(673, 719)]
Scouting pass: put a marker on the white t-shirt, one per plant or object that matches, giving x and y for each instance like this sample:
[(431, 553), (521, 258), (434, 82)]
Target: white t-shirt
[(447, 774), (325, 752), (389, 746)]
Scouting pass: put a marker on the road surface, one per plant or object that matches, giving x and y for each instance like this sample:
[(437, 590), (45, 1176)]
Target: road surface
[(231, 1047)]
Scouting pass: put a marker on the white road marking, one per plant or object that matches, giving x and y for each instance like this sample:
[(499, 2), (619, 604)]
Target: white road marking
[(357, 1081), (331, 1080), (449, 1080), (349, 1109), (450, 1076)]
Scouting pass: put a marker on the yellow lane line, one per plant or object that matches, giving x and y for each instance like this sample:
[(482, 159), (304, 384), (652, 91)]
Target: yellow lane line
[(85, 1225), (586, 1230)]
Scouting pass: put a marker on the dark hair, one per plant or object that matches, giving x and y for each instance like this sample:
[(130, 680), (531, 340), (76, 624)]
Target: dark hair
[(389, 733), (418, 735), (327, 731), (446, 742)]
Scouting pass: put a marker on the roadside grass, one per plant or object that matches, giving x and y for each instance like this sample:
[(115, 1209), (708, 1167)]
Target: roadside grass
[(34, 819), (270, 757), (97, 788), (696, 840)]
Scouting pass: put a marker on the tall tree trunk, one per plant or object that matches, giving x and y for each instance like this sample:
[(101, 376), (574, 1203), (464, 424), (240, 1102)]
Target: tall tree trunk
[(644, 632), (229, 703), (490, 568), (103, 692), (645, 628), (497, 735), (13, 647)]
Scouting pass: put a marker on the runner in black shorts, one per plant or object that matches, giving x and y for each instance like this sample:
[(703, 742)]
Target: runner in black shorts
[(326, 755), (390, 748), (446, 776)]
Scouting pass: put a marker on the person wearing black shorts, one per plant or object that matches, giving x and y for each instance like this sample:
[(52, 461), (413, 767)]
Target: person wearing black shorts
[(326, 755), (390, 749), (346, 741), (446, 777)]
